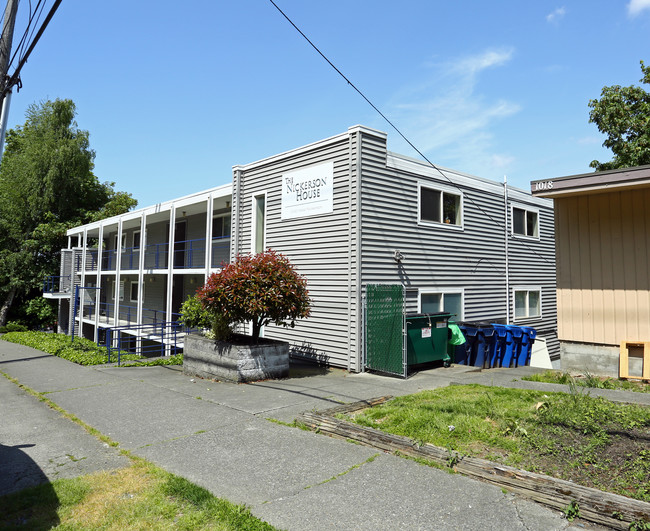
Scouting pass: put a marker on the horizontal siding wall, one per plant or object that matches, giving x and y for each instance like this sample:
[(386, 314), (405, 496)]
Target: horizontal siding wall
[(319, 247), (603, 267), (443, 257)]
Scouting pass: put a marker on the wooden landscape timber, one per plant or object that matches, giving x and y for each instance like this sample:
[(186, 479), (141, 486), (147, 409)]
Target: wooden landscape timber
[(596, 506)]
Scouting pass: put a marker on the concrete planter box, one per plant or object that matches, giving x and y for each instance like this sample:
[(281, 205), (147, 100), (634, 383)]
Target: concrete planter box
[(235, 360)]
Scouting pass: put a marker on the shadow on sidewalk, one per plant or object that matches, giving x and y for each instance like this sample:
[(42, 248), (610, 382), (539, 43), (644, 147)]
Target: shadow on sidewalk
[(27, 498)]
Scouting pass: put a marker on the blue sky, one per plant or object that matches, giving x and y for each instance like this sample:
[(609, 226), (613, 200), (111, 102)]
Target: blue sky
[(174, 94)]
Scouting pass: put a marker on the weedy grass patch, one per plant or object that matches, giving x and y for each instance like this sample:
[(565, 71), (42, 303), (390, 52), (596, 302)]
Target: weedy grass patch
[(571, 436), (141, 496), (588, 380)]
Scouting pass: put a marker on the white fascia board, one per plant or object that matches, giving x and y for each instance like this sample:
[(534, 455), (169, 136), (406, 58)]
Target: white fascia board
[(224, 190)]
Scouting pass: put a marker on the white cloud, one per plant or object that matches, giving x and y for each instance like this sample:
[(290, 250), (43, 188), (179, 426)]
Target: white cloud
[(636, 6), (559, 13), (447, 115)]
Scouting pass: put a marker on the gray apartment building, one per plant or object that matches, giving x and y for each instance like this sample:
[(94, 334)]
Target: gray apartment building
[(348, 214)]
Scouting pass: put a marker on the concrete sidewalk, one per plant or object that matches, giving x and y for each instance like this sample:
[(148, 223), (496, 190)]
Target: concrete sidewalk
[(219, 436)]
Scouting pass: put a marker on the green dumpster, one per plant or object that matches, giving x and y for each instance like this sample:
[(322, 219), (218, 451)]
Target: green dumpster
[(426, 338)]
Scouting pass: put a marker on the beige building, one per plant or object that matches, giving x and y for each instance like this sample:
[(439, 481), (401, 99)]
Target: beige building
[(602, 230)]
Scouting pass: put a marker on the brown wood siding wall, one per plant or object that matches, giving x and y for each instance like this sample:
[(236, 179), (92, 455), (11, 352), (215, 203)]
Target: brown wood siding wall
[(603, 243)]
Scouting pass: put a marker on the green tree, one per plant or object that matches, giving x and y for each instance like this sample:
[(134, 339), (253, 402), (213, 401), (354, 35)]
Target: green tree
[(47, 186), (623, 114), (262, 288)]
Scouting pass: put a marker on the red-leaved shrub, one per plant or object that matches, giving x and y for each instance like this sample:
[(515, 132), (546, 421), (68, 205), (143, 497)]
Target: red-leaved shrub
[(262, 288)]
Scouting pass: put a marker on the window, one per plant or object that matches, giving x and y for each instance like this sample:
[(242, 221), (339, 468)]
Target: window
[(435, 302), (440, 206), (134, 291), (259, 223), (136, 239), (121, 292), (123, 241), (221, 226), (528, 303), (525, 222)]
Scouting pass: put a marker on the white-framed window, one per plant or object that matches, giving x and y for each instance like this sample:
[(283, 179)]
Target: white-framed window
[(123, 241), (528, 302), (525, 221), (221, 226), (121, 292), (258, 223), (133, 291), (439, 205), (434, 300), (136, 239)]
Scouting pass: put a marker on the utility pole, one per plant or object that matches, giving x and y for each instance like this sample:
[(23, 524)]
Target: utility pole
[(6, 40)]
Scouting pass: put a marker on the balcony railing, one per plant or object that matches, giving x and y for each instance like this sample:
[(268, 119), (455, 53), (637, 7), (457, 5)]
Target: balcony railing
[(57, 284), (220, 251), (128, 314), (155, 256), (187, 254)]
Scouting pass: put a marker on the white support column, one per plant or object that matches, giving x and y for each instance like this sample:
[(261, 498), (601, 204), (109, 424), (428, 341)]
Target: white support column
[(98, 292), (140, 281), (118, 267), (82, 280), (208, 236), (170, 267)]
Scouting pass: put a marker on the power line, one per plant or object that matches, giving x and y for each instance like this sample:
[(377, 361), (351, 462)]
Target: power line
[(497, 223), (16, 75)]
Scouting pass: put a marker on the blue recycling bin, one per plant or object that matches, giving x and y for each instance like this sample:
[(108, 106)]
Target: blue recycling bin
[(528, 336), (504, 354), (480, 343), (465, 354), (501, 340)]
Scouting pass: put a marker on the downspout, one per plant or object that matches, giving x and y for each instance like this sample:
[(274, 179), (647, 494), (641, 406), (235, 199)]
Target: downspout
[(505, 230)]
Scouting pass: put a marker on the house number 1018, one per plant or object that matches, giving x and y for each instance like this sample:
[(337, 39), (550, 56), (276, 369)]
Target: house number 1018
[(544, 185)]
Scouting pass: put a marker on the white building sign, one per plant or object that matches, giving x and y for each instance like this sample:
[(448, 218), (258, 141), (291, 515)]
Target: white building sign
[(308, 191)]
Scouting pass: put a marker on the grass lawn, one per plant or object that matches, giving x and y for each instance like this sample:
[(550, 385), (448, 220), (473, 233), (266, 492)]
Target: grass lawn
[(589, 380), (141, 496), (572, 436), (82, 351)]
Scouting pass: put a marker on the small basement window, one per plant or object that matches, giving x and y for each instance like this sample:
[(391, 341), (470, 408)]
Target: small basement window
[(439, 206), (525, 222), (528, 303)]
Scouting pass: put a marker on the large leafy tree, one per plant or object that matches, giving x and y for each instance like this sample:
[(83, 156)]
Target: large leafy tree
[(47, 185), (623, 114)]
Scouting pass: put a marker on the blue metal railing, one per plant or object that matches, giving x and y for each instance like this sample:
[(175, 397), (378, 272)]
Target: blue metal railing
[(57, 284), (147, 340), (220, 251), (91, 259), (155, 256), (189, 254), (109, 260), (131, 258), (129, 314)]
